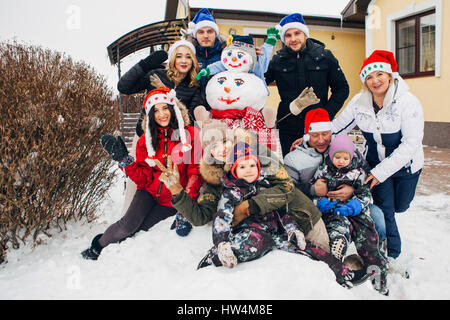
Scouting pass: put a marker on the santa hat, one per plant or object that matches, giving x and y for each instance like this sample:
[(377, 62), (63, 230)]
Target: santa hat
[(342, 143), (292, 21), (243, 151), (379, 60), (243, 43), (202, 19), (316, 120), (183, 42), (163, 95)]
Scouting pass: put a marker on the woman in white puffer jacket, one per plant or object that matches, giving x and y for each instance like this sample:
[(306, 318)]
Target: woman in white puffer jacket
[(391, 120)]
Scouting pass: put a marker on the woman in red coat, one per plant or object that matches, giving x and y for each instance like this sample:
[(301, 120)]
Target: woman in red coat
[(161, 145)]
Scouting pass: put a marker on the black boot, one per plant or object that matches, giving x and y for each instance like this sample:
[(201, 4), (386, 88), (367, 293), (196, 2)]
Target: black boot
[(211, 258), (360, 277), (95, 249)]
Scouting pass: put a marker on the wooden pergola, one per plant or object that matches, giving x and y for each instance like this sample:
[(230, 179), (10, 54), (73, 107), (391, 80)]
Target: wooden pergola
[(159, 34), (162, 33)]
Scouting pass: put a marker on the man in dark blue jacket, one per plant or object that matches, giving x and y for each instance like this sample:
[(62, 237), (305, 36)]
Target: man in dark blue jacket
[(303, 62), (203, 32)]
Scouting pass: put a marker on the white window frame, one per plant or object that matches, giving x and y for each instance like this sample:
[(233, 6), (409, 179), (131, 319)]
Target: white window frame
[(412, 10)]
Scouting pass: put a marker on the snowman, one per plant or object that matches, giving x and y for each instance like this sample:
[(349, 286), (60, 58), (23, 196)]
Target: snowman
[(237, 92)]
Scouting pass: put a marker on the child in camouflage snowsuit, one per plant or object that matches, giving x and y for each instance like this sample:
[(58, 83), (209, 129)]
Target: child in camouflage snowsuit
[(349, 220), (256, 235)]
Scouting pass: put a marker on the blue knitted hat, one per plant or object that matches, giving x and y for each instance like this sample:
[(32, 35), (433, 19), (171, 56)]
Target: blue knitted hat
[(292, 21), (202, 19), (243, 151)]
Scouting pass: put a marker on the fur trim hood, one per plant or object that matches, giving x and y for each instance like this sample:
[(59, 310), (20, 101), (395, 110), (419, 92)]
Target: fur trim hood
[(212, 173)]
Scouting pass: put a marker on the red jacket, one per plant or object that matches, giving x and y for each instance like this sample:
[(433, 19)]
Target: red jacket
[(147, 177)]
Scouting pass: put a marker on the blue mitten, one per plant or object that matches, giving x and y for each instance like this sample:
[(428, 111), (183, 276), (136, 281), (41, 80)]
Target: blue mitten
[(325, 205), (351, 208), (181, 225)]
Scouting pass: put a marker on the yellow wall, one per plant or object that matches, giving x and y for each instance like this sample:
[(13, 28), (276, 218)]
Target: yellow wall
[(349, 49), (430, 90)]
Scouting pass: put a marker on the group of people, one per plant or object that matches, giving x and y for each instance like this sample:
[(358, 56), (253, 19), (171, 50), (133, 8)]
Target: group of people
[(323, 195)]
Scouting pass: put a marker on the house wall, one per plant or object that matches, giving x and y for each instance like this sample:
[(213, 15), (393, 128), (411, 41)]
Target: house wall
[(430, 90)]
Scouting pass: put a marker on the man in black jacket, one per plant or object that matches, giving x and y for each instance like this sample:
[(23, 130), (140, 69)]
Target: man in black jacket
[(303, 62)]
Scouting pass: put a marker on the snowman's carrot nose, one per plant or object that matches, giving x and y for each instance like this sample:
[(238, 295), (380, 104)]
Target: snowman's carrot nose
[(227, 90), (233, 59)]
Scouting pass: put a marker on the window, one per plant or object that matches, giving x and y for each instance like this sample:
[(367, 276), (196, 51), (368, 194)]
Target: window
[(258, 41), (416, 44)]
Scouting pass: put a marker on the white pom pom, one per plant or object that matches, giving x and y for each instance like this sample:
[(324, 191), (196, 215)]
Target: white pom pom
[(171, 94), (306, 137), (191, 28)]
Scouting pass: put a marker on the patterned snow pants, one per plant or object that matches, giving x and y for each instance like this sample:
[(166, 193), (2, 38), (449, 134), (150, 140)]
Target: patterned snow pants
[(361, 230), (252, 240)]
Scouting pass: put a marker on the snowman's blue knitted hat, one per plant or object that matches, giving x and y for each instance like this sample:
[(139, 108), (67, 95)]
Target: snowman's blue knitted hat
[(202, 19), (292, 21)]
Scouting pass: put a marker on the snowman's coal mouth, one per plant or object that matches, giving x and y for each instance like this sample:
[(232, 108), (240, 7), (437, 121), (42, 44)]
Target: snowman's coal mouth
[(228, 100)]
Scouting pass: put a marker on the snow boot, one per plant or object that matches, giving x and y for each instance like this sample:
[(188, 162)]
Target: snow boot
[(211, 258), (338, 247), (346, 280), (356, 264), (181, 225), (380, 287), (94, 250), (360, 277)]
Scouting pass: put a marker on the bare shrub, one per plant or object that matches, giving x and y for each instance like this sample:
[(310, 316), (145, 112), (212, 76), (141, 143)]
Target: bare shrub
[(52, 169)]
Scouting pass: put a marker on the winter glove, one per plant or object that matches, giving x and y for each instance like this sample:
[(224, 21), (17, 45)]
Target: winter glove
[(241, 211), (153, 61), (203, 73), (181, 224), (297, 237), (326, 206), (226, 255), (351, 208), (116, 148), (170, 176), (155, 81), (272, 36), (305, 99)]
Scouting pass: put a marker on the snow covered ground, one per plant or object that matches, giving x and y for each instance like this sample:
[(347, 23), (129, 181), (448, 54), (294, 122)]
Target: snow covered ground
[(161, 265)]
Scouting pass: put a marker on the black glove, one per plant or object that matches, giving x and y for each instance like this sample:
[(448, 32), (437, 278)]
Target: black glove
[(116, 148), (153, 61)]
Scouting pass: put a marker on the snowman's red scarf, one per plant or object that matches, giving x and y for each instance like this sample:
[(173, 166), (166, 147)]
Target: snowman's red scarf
[(233, 114), (250, 119)]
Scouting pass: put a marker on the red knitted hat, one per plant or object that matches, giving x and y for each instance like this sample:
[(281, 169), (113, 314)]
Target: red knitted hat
[(243, 151), (379, 60), (316, 120), (159, 95)]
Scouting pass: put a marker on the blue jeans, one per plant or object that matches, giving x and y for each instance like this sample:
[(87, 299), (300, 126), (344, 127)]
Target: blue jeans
[(378, 219), (394, 195)]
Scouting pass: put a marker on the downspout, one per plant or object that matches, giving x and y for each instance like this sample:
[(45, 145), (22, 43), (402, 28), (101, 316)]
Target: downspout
[(369, 29)]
